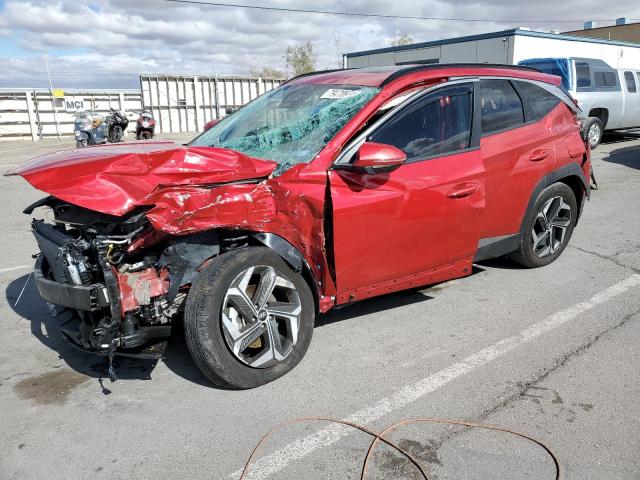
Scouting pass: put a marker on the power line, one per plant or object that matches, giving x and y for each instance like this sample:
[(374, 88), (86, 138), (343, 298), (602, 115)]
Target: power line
[(376, 15)]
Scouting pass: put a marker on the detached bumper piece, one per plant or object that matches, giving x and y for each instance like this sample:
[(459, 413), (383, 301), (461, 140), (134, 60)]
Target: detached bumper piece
[(88, 298)]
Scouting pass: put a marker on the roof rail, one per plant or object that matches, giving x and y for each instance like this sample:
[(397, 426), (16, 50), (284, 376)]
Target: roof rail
[(416, 68), (434, 66)]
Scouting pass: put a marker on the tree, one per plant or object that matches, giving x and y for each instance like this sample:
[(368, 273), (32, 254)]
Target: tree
[(266, 72), (403, 39), (301, 58)]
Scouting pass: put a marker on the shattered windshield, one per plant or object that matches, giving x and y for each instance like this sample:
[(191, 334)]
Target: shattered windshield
[(290, 124)]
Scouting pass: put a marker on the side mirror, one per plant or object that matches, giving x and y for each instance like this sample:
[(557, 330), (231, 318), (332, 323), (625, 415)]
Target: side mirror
[(378, 157)]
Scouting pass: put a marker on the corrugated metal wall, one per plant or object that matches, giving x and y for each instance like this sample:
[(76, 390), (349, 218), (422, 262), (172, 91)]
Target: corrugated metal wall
[(35, 114), (491, 50), (179, 104), (186, 103)]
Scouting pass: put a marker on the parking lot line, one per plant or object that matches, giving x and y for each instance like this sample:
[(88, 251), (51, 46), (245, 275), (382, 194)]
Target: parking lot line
[(278, 460)]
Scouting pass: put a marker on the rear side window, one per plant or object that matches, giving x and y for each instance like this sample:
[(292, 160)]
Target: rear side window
[(500, 106), (605, 79), (435, 125), (583, 75), (630, 81), (537, 101)]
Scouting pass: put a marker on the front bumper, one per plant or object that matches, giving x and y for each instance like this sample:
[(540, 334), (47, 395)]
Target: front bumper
[(88, 298)]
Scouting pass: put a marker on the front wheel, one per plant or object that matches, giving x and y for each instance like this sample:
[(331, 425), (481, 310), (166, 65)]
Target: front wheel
[(548, 227), (248, 319), (116, 134)]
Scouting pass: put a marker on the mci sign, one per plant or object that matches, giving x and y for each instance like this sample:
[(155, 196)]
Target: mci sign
[(72, 104)]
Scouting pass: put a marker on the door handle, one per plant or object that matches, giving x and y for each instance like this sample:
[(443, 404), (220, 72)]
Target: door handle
[(463, 190), (538, 155)]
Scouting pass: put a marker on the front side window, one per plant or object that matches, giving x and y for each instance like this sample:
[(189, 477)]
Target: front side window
[(537, 101), (500, 106), (290, 124), (630, 81), (435, 125)]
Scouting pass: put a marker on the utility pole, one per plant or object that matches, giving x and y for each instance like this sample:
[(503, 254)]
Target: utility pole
[(53, 102)]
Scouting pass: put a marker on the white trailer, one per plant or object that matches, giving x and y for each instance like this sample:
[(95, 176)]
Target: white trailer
[(504, 47)]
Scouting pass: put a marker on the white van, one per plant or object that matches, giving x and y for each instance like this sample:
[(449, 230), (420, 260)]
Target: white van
[(609, 98)]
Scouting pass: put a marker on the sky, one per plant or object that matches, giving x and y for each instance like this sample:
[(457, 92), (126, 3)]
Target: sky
[(109, 43)]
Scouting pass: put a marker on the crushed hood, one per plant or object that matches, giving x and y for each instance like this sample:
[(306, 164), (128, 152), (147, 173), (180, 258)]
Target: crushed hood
[(114, 179)]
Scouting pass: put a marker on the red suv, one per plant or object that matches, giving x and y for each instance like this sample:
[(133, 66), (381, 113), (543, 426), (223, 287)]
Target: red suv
[(333, 188)]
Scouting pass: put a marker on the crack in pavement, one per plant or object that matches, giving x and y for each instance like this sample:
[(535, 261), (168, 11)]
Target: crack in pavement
[(606, 257), (521, 390), (540, 376), (557, 364)]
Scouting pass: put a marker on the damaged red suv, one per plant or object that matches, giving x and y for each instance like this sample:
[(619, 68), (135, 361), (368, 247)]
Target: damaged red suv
[(333, 188)]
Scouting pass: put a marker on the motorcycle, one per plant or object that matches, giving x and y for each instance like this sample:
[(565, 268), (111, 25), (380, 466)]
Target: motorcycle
[(116, 126), (93, 129), (145, 126)]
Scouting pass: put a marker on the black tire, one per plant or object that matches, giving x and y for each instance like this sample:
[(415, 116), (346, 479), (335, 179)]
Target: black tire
[(116, 134), (145, 136), (203, 325), (593, 131), (81, 143), (525, 255)]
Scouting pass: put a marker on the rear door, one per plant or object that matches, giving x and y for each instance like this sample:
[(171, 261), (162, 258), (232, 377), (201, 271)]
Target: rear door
[(631, 91), (518, 148), (420, 222)]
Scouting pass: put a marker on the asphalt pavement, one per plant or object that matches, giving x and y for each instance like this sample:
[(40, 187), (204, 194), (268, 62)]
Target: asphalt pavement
[(551, 352)]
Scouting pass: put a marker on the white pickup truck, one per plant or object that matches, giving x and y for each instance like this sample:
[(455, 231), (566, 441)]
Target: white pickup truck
[(609, 98)]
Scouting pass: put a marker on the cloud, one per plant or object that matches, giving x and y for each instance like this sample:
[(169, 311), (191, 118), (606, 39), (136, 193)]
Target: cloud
[(109, 43)]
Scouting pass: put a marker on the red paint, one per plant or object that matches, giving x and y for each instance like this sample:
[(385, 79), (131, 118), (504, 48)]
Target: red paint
[(402, 223), (136, 286), (114, 179), (419, 223), (372, 154)]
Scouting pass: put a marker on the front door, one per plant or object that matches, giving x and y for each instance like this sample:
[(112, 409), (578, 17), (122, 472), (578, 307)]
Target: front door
[(417, 224)]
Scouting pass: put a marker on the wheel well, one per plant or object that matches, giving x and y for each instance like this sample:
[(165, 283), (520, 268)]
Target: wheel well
[(576, 186), (601, 113), (291, 255)]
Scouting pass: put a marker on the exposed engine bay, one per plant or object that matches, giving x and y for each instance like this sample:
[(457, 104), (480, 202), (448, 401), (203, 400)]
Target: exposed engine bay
[(126, 281)]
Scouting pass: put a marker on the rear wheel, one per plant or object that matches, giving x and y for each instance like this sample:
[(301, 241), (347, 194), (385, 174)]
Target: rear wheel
[(249, 318), (116, 134), (593, 131), (548, 226)]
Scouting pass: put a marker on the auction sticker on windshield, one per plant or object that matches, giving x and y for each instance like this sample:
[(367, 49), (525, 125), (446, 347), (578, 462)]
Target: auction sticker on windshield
[(337, 93)]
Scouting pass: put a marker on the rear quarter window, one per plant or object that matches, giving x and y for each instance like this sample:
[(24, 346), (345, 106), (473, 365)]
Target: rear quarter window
[(538, 102), (630, 81), (605, 79), (500, 106)]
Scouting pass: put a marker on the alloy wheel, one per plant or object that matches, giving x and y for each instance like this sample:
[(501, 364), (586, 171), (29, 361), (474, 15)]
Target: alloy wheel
[(261, 316), (594, 135), (550, 226)]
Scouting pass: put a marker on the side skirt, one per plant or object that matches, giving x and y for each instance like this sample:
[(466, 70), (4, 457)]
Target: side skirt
[(494, 247)]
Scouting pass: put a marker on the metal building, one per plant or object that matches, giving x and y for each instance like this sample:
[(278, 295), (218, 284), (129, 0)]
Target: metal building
[(622, 30), (505, 47), (182, 103)]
